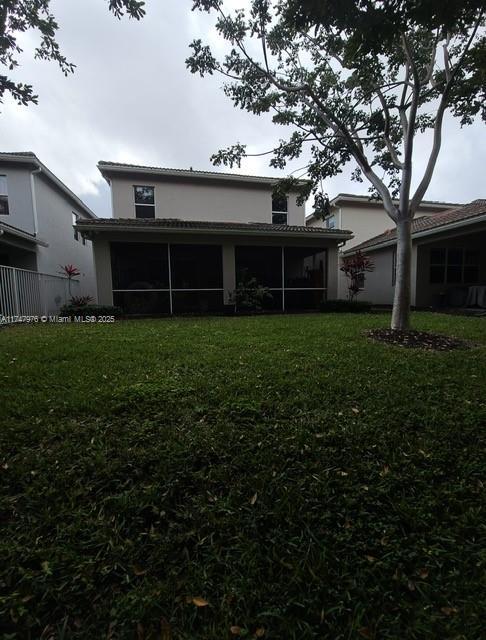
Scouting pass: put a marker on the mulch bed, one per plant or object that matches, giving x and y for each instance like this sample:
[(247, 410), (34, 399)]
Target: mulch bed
[(418, 339)]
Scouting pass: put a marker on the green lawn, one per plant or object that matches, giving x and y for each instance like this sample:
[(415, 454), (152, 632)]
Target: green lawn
[(304, 482)]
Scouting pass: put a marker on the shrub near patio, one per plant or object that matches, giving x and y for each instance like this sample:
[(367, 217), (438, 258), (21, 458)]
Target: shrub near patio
[(276, 477)]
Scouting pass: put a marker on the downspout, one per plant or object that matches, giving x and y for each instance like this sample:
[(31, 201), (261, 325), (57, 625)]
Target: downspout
[(111, 201), (34, 202)]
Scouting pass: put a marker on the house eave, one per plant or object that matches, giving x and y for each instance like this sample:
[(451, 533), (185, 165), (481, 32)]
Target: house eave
[(421, 234), (85, 227), (426, 205), (7, 230), (107, 170)]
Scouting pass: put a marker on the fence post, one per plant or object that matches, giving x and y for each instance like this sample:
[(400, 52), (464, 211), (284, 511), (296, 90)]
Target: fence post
[(42, 291), (16, 292)]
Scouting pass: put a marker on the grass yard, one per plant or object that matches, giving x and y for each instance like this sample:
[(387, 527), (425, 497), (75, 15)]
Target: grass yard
[(278, 477)]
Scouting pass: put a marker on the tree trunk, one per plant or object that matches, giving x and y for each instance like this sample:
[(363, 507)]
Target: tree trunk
[(402, 299)]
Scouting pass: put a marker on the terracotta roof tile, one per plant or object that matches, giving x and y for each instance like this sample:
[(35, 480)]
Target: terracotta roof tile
[(426, 223)]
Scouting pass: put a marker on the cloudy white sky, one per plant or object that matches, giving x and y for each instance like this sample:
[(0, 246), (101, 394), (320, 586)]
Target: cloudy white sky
[(132, 100)]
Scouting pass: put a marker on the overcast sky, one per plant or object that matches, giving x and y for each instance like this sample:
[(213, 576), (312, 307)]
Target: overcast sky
[(131, 99)]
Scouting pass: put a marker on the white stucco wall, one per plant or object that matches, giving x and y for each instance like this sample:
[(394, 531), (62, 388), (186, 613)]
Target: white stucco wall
[(19, 199), (378, 287), (233, 202), (54, 214), (364, 220)]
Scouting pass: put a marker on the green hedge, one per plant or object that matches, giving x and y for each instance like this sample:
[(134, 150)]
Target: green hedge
[(346, 306), (90, 310)]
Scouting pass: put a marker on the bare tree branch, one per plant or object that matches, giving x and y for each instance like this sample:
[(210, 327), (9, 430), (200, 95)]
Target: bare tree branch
[(386, 133), (437, 141)]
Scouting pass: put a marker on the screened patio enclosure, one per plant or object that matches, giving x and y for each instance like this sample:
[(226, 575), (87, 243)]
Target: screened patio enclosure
[(151, 278), (295, 276), (176, 278)]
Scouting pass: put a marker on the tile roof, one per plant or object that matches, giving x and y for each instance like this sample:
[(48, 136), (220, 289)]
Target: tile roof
[(29, 154), (106, 166), (201, 225), (378, 201), (437, 222)]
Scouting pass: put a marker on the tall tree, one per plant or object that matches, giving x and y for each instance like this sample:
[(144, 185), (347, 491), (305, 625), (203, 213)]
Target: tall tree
[(355, 81), (19, 16)]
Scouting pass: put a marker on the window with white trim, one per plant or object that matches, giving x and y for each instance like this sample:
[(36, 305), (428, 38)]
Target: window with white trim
[(4, 210), (144, 197), (280, 208)]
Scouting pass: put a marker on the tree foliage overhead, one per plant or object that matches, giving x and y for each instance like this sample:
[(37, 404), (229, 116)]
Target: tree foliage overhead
[(355, 80), (19, 16)]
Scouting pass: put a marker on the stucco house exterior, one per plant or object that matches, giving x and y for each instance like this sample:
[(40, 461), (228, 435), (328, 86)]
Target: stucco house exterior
[(181, 240), (448, 260), (366, 218), (37, 214)]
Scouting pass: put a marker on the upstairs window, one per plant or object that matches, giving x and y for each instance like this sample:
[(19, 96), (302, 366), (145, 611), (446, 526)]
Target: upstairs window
[(331, 222), (279, 210), (75, 221), (4, 211), (144, 201)]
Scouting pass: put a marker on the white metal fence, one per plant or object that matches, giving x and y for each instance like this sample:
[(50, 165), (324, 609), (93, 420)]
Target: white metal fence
[(30, 293)]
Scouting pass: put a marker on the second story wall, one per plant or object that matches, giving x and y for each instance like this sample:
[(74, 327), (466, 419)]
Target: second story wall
[(55, 214), (198, 200), (16, 181), (367, 220)]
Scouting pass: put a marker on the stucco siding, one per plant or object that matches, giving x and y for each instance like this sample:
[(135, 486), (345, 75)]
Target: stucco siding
[(364, 222), (208, 202), (21, 212), (378, 287), (54, 213)]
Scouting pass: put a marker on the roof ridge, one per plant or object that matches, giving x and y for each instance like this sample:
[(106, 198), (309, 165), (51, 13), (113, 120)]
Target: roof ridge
[(108, 163)]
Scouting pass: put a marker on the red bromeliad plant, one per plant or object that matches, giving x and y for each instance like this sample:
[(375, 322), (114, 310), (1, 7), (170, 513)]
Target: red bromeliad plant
[(354, 268), (70, 271)]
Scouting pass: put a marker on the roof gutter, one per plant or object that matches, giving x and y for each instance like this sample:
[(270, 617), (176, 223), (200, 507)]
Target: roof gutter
[(6, 229), (34, 199)]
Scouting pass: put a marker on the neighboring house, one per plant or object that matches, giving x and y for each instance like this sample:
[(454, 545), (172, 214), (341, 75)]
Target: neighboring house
[(448, 260), (37, 214), (365, 218), (182, 240)]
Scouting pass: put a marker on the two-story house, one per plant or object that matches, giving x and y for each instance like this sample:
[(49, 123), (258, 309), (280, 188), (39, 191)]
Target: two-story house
[(183, 240), (366, 218), (37, 217)]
